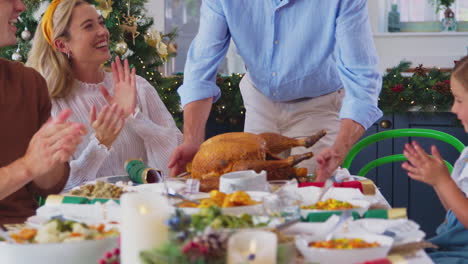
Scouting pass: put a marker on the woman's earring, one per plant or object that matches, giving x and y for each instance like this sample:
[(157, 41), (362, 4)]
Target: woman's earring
[(68, 54)]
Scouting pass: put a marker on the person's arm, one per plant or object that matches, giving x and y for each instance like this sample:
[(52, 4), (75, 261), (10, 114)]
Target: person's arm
[(155, 125), (357, 63), (433, 171), (195, 118), (199, 89), (453, 198), (357, 67), (45, 161)]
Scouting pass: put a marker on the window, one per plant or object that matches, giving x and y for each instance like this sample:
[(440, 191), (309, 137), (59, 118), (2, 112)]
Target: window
[(423, 10)]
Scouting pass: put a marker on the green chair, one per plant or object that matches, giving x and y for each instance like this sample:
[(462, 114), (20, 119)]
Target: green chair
[(395, 133)]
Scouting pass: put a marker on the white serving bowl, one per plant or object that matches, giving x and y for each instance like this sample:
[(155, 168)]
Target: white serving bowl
[(237, 210), (333, 256), (361, 207), (76, 252)]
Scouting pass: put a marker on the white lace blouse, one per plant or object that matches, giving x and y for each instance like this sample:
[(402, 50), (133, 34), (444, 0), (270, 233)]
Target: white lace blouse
[(150, 133)]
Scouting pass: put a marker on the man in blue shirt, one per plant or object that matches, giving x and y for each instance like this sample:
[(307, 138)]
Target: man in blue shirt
[(299, 56)]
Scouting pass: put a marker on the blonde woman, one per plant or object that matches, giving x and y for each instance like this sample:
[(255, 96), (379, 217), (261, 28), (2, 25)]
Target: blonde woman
[(125, 116)]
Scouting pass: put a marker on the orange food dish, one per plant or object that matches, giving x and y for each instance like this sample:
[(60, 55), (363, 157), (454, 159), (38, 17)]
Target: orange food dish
[(330, 204), (344, 243), (220, 199)]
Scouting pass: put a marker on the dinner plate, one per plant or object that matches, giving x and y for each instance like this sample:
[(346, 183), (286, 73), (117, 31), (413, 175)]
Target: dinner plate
[(361, 207), (237, 210), (76, 252)]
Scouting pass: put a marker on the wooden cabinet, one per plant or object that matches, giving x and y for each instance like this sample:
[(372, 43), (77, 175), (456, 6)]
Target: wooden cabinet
[(423, 204)]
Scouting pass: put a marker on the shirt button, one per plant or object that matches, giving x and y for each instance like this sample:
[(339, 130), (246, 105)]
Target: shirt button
[(276, 42), (273, 74)]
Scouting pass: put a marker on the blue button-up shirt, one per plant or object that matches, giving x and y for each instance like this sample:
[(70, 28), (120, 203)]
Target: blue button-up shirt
[(292, 49)]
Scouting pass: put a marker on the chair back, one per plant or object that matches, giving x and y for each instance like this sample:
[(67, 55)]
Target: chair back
[(395, 133)]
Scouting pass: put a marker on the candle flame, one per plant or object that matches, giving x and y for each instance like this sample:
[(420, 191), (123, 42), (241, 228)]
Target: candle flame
[(253, 246), (143, 210)]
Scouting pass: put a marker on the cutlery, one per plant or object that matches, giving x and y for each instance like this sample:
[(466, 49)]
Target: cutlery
[(345, 215), (326, 187)]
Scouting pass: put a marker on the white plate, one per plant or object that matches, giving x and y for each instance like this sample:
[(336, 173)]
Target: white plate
[(76, 252), (362, 207), (177, 186), (238, 210), (333, 256)]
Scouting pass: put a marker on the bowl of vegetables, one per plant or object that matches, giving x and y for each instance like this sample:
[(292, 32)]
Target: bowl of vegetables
[(58, 241), (344, 247)]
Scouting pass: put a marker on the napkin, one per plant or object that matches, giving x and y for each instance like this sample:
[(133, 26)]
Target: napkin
[(90, 214)]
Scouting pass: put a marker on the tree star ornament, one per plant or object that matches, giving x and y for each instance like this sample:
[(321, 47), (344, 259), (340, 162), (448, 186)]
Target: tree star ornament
[(105, 7)]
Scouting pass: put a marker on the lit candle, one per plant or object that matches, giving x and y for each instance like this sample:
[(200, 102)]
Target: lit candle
[(243, 248), (143, 224)]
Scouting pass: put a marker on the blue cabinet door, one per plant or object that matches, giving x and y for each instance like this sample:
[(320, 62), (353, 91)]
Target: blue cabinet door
[(422, 202)]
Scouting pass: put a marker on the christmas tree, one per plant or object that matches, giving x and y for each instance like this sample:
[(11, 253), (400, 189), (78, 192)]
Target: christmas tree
[(131, 35)]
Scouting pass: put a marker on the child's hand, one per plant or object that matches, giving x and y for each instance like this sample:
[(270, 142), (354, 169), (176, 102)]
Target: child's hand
[(422, 167)]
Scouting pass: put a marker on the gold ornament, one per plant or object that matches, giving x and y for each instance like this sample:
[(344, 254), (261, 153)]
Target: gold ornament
[(121, 47), (153, 37), (105, 7), (130, 25)]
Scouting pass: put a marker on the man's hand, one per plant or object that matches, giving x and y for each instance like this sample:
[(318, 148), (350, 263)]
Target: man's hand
[(424, 168), (328, 161), (181, 156), (53, 144)]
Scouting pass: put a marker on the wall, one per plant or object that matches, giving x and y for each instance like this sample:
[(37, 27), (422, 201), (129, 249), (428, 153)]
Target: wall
[(431, 49)]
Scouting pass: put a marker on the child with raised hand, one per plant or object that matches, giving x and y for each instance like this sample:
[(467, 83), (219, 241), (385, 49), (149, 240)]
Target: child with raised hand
[(452, 190)]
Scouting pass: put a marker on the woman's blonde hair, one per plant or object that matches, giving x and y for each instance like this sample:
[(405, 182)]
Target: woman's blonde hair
[(460, 72), (52, 64)]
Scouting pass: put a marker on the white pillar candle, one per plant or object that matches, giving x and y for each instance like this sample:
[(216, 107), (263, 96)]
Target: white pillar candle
[(143, 224), (252, 247)]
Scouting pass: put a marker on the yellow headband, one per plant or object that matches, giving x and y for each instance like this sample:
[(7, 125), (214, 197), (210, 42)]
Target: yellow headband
[(47, 25)]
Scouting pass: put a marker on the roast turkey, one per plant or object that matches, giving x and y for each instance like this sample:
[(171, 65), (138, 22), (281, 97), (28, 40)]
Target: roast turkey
[(247, 151)]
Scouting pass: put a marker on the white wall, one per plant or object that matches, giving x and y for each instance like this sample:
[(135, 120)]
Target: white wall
[(430, 49)]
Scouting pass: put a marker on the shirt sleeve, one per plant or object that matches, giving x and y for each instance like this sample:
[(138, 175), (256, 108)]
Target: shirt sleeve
[(205, 54), (357, 63), (155, 125)]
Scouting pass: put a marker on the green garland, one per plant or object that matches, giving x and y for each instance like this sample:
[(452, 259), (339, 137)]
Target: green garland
[(425, 90)]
